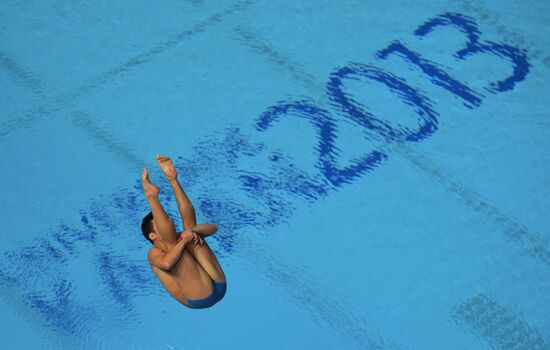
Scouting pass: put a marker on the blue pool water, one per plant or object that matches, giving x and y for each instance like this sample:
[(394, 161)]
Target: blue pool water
[(378, 171)]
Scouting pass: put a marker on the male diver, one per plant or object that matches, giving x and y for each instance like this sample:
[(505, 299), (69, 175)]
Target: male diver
[(184, 263)]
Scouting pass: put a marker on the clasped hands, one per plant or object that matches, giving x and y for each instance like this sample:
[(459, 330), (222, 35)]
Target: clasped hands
[(188, 236)]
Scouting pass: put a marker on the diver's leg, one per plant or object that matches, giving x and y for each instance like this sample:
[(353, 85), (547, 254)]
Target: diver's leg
[(206, 258), (186, 209), (202, 253), (205, 230), (164, 224)]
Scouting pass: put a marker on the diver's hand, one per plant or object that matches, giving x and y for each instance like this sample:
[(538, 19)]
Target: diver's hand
[(185, 237), (190, 236)]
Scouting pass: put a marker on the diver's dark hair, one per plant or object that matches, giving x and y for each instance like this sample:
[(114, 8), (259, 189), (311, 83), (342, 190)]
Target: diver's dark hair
[(147, 226)]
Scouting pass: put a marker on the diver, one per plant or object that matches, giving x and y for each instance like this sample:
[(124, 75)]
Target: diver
[(183, 262)]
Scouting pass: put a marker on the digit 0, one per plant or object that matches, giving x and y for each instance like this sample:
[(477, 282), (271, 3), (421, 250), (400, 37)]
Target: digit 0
[(326, 134)]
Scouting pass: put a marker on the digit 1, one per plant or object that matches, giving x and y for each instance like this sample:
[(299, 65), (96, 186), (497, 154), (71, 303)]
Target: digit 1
[(438, 76)]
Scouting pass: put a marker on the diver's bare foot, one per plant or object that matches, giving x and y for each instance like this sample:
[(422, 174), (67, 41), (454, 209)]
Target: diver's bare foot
[(167, 167), (150, 189)]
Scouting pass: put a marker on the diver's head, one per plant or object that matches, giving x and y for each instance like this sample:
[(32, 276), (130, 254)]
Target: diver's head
[(149, 228)]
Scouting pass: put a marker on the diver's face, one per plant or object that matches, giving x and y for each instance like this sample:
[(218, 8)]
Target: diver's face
[(155, 230)]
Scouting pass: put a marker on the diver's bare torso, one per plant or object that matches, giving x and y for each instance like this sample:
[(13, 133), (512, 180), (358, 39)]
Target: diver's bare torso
[(186, 279)]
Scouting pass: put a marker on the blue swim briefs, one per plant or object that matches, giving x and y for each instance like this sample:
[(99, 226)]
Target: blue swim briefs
[(217, 294)]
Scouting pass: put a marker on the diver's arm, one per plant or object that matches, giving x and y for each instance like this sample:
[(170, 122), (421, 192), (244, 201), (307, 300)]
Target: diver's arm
[(174, 254), (166, 261)]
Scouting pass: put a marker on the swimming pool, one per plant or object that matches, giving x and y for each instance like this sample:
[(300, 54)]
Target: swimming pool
[(377, 170)]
